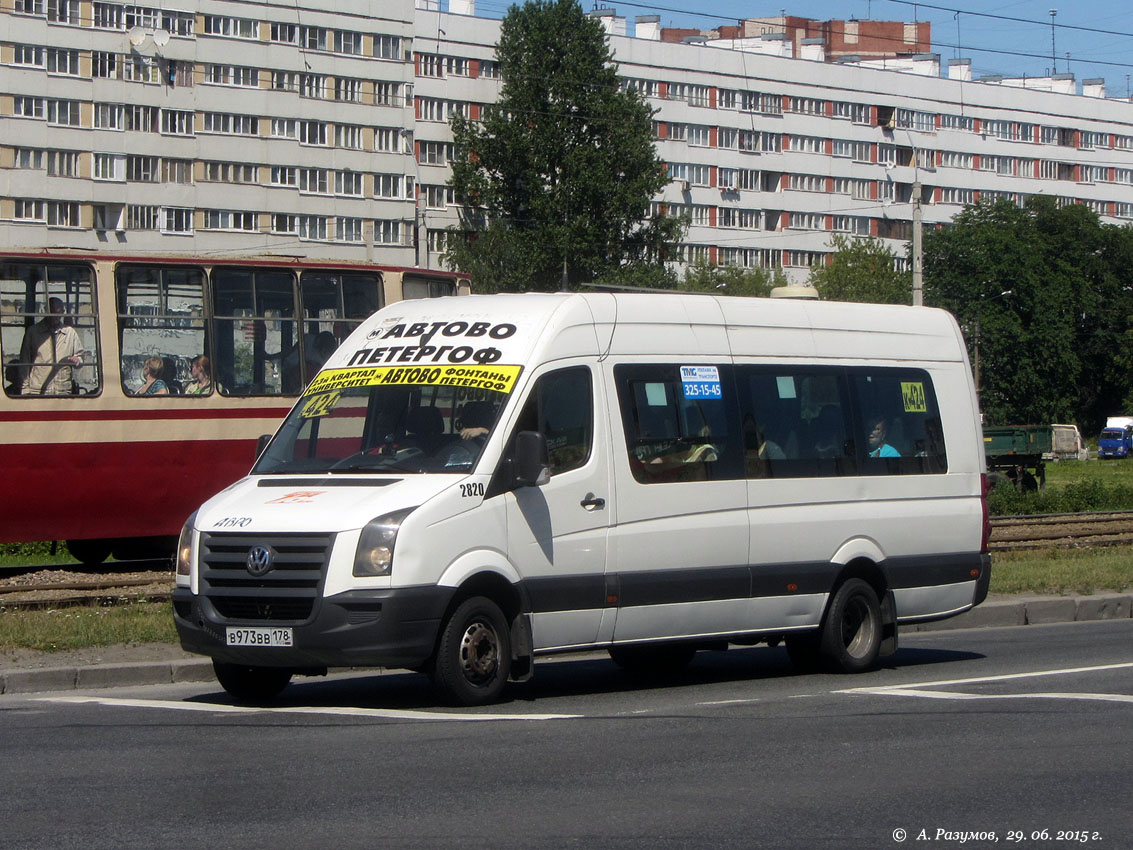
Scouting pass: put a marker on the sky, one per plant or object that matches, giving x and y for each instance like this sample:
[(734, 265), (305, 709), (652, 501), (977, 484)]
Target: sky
[(1092, 38)]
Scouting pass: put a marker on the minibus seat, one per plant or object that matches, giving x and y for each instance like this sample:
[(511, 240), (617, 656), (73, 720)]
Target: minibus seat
[(427, 425), (829, 438)]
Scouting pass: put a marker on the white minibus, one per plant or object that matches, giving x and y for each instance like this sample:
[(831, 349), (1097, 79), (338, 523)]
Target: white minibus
[(473, 482)]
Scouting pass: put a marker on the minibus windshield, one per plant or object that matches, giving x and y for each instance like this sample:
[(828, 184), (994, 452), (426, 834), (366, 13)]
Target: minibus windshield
[(398, 429)]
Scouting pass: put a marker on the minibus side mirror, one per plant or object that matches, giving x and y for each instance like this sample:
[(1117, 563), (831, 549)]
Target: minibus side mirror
[(532, 460), (261, 444)]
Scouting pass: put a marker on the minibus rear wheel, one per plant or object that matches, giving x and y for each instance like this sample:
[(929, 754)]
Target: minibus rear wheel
[(851, 633), (251, 684), (473, 658)]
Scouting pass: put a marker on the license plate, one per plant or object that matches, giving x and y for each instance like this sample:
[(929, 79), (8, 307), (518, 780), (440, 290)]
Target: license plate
[(258, 637)]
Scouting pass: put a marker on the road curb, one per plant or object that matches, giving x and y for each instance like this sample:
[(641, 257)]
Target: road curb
[(997, 613), (104, 676)]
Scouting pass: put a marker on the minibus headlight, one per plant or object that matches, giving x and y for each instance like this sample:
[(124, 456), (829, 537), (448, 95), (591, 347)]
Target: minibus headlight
[(185, 547), (375, 544)]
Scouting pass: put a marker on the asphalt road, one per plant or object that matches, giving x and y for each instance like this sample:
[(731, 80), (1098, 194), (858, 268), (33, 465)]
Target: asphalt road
[(1006, 731)]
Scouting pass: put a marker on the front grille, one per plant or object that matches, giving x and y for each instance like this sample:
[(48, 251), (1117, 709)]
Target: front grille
[(286, 592)]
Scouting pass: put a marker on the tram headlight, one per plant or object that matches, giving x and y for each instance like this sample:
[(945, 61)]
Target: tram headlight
[(375, 544), (185, 547)]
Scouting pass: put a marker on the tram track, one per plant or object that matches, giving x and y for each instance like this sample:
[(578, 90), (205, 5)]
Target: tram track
[(118, 582)]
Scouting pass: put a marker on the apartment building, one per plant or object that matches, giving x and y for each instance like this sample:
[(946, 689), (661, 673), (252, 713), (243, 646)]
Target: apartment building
[(272, 127), (209, 127)]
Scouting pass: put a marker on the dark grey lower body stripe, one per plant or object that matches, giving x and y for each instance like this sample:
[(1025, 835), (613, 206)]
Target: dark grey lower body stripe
[(709, 584)]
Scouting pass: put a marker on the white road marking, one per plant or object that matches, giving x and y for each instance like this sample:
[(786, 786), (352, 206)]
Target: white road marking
[(728, 702), (344, 711), (928, 690)]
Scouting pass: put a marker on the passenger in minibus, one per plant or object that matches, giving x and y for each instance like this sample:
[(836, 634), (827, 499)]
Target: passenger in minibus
[(878, 434)]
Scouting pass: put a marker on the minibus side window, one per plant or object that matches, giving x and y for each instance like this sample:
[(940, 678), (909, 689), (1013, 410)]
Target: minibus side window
[(677, 427), (898, 422), (48, 330), (796, 422), (561, 406)]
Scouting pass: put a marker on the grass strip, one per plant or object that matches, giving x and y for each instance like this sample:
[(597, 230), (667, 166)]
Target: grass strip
[(79, 627)]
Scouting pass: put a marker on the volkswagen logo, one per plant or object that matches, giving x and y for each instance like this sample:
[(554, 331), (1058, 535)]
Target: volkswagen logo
[(259, 560)]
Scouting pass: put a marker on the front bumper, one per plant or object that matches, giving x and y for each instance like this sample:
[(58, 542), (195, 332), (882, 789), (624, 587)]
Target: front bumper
[(365, 628)]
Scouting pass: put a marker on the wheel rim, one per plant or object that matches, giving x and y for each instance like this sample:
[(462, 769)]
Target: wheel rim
[(479, 653), (858, 627)]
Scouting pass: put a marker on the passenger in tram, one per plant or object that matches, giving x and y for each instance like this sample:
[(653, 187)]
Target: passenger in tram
[(201, 370), (50, 349), (153, 384)]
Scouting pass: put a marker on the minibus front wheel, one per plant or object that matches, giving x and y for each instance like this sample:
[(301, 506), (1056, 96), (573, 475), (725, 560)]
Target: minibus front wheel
[(473, 659)]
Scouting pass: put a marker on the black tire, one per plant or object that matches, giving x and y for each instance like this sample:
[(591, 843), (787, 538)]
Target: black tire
[(256, 685), (657, 659), (851, 631), (90, 552), (473, 659)]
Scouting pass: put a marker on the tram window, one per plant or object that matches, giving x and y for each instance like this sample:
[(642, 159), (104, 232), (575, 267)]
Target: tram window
[(334, 304), (420, 287), (160, 323), (37, 362), (257, 335)]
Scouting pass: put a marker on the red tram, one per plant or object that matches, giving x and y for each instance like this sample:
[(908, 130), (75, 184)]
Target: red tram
[(136, 387)]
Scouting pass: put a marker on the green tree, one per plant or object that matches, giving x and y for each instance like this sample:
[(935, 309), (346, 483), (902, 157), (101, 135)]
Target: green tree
[(862, 270), (562, 167), (701, 276), (1042, 295)]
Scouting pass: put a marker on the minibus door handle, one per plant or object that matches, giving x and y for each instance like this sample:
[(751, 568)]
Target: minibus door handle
[(592, 502)]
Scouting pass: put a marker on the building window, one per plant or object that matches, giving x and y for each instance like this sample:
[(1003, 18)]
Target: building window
[(387, 232), (348, 90), (28, 159), (230, 220), (312, 227), (388, 186), (312, 133), (348, 136), (387, 47), (63, 112), (285, 33), (176, 122), (108, 116), (284, 128), (176, 171), (348, 183), (348, 230), (140, 217), (313, 38), (314, 181), (232, 27), (284, 175), (63, 62), (177, 220), (63, 163), (145, 119), (348, 42)]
